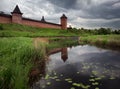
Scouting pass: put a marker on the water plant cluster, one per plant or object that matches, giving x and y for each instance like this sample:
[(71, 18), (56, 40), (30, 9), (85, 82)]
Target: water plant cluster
[(95, 80)]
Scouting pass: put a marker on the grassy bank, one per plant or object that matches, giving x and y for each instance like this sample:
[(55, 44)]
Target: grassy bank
[(17, 30), (106, 41), (62, 42), (16, 59), (19, 58)]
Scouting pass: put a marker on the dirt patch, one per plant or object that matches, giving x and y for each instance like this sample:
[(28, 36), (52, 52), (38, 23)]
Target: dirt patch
[(39, 40)]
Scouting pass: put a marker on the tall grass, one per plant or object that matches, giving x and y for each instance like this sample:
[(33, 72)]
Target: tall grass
[(16, 59), (106, 41)]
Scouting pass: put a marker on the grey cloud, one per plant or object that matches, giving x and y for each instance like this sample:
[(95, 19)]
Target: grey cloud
[(104, 10), (114, 24), (90, 11), (67, 4), (97, 24), (90, 8)]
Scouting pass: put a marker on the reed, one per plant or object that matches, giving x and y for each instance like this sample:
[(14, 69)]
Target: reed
[(16, 59)]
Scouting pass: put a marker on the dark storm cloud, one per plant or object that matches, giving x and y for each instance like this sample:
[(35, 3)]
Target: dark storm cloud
[(113, 24), (91, 8), (67, 4), (105, 10), (80, 13)]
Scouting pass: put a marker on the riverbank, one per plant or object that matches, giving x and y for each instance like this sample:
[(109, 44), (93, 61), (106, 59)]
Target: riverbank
[(17, 57), (104, 41), (21, 49)]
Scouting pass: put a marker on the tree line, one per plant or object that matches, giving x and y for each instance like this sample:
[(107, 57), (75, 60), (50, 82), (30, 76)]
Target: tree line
[(99, 31)]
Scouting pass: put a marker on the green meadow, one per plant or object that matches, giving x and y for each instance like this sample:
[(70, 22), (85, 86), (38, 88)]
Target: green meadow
[(16, 30)]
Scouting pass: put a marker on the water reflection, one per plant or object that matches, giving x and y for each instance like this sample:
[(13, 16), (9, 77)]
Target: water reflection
[(63, 51), (84, 67), (64, 54)]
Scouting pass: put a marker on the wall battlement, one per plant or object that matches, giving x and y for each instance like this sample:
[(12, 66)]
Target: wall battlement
[(16, 17)]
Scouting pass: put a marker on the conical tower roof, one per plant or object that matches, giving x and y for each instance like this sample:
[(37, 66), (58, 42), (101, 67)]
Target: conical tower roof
[(63, 16), (43, 19), (16, 10)]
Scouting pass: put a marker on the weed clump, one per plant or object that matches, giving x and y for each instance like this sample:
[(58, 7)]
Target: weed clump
[(17, 55), (1, 27)]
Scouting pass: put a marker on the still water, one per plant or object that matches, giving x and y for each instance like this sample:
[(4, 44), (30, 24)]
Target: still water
[(81, 67)]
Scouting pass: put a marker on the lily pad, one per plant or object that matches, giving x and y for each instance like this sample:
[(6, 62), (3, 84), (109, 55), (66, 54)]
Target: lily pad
[(78, 72), (97, 88), (91, 80), (96, 83), (98, 78), (43, 87), (48, 83), (57, 80), (72, 88), (47, 76), (68, 79)]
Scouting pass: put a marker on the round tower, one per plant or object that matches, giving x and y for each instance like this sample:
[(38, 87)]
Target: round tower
[(16, 15), (63, 22)]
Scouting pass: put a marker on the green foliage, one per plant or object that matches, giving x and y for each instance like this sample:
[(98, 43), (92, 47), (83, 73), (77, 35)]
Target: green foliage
[(99, 31), (104, 31), (1, 27), (112, 41), (16, 59), (116, 32), (62, 42), (17, 30)]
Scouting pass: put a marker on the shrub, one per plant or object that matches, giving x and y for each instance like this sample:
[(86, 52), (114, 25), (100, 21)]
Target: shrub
[(1, 27)]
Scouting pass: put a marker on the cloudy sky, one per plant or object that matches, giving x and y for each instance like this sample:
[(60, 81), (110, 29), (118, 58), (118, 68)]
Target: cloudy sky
[(80, 13)]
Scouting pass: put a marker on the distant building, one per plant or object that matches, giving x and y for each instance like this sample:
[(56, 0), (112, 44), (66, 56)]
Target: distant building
[(16, 17)]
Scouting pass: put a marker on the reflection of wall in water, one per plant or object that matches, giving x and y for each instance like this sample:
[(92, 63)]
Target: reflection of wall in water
[(64, 54)]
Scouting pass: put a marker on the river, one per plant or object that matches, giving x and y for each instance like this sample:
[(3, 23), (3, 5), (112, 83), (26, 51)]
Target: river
[(81, 67)]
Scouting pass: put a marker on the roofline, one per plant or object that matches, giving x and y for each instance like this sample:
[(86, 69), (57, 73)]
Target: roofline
[(40, 21), (10, 16), (16, 10), (5, 15), (16, 13)]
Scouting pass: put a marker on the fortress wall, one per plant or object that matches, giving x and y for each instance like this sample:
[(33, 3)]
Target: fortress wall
[(40, 24), (16, 17), (5, 19)]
